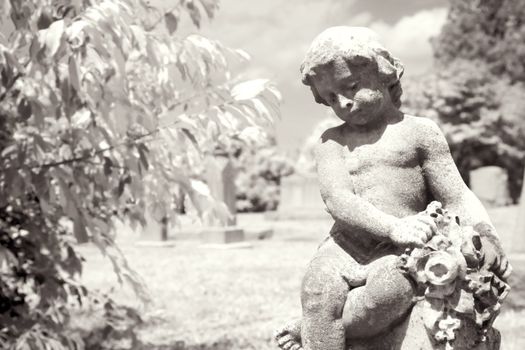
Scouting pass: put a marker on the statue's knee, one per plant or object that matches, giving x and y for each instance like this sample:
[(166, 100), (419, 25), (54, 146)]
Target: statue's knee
[(323, 290), (388, 286)]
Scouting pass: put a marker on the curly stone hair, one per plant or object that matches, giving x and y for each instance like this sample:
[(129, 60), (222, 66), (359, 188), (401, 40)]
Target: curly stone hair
[(356, 46)]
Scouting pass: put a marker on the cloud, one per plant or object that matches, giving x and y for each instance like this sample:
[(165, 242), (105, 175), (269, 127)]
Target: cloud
[(409, 38), (277, 33)]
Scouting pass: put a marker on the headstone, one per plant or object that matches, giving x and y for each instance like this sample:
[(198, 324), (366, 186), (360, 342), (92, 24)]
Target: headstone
[(155, 232), (518, 237), (300, 198), (220, 178), (490, 185), (222, 235)]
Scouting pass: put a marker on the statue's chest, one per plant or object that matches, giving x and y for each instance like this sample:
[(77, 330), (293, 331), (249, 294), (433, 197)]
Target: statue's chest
[(381, 155)]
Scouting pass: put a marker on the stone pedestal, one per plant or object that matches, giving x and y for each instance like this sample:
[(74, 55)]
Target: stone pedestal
[(413, 335), (222, 235)]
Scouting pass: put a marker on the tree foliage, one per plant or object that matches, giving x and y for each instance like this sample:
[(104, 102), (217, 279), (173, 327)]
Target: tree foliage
[(478, 116), (259, 166), (477, 91), (489, 30), (101, 115)]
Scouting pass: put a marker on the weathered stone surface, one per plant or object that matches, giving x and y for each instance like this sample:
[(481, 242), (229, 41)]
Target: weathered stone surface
[(412, 334), (456, 299), (377, 173)]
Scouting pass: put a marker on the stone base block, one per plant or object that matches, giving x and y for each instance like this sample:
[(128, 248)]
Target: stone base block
[(412, 334), (298, 214), (257, 234), (224, 246), (221, 235), (161, 244)]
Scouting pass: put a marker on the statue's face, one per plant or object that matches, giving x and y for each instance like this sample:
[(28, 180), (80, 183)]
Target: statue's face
[(353, 92)]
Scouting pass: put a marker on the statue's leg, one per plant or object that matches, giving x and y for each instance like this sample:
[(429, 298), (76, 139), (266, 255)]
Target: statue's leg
[(289, 336), (323, 296), (383, 301), (328, 278)]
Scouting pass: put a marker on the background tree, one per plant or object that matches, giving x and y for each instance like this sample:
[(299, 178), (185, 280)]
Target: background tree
[(260, 167), (476, 92), (101, 115), (492, 31)]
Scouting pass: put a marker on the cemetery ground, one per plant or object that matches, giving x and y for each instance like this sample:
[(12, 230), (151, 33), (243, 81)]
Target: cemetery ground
[(207, 298)]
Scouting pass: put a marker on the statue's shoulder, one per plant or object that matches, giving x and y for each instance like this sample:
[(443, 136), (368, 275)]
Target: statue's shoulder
[(420, 129), (417, 121), (332, 137), (330, 143)]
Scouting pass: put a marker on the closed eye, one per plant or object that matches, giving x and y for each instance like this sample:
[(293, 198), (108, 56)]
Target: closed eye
[(353, 86)]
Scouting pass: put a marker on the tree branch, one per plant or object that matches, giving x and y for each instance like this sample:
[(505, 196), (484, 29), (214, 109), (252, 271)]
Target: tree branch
[(125, 142)]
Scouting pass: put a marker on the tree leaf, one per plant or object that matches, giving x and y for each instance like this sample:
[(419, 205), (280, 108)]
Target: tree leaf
[(192, 138), (79, 229), (171, 22), (52, 37), (195, 14), (74, 73), (143, 155), (210, 6)]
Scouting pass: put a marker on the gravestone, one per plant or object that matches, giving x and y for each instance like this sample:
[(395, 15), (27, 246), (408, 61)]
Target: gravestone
[(155, 232), (490, 185), (220, 178), (518, 236), (300, 198)]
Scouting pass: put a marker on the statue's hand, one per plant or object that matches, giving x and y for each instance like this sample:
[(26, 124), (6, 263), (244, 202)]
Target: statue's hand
[(493, 257), (413, 231)]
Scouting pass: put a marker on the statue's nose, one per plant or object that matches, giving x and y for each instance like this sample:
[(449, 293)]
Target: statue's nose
[(345, 102)]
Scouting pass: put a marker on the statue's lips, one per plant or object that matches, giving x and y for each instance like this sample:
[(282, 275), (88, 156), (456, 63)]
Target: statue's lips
[(356, 116)]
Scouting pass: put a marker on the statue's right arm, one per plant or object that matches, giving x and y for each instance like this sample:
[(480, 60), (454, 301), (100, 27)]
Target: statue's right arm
[(338, 194)]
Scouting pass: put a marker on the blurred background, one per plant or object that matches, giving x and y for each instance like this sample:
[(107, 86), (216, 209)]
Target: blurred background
[(158, 181)]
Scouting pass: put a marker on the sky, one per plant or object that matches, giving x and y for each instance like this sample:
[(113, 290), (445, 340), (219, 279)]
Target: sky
[(277, 33)]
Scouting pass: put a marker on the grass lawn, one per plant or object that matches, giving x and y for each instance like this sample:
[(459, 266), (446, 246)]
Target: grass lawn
[(233, 298), (205, 295)]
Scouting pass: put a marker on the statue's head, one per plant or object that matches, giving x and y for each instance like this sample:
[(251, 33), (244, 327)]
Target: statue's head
[(349, 70)]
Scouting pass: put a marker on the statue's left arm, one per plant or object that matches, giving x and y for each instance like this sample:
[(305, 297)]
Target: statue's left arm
[(447, 186)]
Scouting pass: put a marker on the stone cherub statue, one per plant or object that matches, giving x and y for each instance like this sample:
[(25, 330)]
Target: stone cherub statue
[(378, 172)]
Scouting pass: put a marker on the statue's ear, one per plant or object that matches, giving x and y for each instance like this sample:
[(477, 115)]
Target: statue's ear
[(400, 69), (318, 97), (307, 80), (388, 70)]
